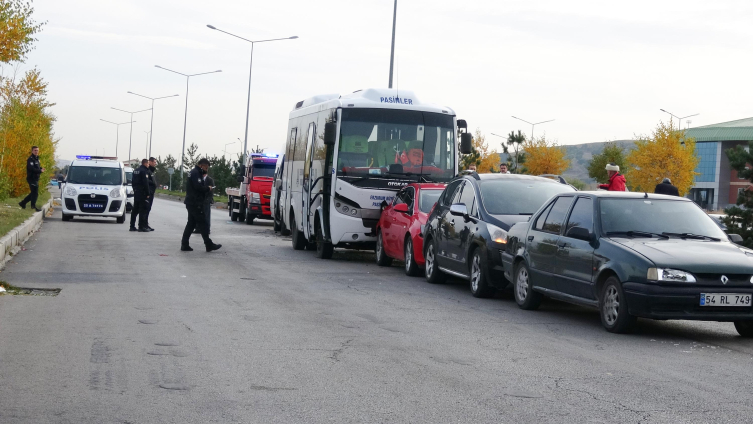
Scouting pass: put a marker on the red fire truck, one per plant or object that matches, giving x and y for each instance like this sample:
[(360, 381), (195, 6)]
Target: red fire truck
[(251, 200)]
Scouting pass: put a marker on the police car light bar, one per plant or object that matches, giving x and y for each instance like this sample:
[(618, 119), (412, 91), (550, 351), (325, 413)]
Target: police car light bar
[(85, 157)]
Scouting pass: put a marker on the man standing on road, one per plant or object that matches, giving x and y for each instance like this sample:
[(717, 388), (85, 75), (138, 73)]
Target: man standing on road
[(152, 189), (196, 192), (503, 168), (616, 180), (141, 177), (666, 187), (33, 171), (208, 202)]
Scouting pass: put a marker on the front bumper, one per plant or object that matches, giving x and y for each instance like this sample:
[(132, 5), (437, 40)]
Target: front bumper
[(260, 210), (115, 207), (668, 302)]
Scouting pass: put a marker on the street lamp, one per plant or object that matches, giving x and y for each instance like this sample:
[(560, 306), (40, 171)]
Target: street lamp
[(679, 120), (117, 128), (185, 115), (250, 67), (392, 50), (227, 144), (130, 136), (148, 139), (151, 121), (532, 125)]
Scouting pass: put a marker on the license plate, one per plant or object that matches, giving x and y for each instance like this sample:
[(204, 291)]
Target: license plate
[(725, 299), (94, 205)]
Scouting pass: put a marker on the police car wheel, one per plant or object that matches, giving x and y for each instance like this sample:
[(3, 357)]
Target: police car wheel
[(120, 219), (67, 217)]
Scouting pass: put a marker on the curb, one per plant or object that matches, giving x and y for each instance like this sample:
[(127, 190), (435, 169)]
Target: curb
[(11, 242)]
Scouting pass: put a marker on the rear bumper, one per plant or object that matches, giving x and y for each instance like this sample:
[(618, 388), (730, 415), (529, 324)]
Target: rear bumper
[(663, 302)]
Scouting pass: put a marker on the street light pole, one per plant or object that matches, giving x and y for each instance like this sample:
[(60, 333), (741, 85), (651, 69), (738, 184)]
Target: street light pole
[(148, 139), (225, 150), (392, 50), (117, 131), (185, 114), (250, 68), (532, 124), (151, 122), (130, 136), (679, 120)]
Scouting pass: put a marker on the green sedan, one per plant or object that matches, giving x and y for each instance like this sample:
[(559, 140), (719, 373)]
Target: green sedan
[(631, 255)]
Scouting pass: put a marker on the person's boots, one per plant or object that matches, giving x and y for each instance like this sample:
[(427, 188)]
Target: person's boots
[(186, 249), (36, 209), (22, 204), (211, 247)]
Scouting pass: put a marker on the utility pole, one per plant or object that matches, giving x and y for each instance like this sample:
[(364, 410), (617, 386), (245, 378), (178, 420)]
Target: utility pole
[(392, 52)]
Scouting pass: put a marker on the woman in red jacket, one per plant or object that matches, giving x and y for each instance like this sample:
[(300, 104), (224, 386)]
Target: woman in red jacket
[(616, 180)]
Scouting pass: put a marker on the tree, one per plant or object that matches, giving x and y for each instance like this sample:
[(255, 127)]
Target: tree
[(222, 172), (739, 219), (480, 155), (666, 153), (514, 141), (612, 153), (578, 184), (192, 158), (164, 177), (17, 29), (545, 157)]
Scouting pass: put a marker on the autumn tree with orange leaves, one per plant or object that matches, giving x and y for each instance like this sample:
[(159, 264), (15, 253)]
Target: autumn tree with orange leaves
[(544, 157), (666, 153), (25, 119), (486, 161)]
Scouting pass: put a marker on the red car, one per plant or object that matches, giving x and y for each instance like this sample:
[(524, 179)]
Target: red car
[(399, 228)]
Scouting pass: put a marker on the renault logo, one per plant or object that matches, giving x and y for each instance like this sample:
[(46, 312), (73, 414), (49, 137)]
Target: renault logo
[(724, 279)]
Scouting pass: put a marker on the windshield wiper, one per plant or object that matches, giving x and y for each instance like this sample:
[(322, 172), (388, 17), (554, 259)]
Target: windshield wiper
[(632, 233), (692, 236)]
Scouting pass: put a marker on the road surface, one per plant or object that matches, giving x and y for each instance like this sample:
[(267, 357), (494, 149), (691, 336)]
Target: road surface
[(260, 333)]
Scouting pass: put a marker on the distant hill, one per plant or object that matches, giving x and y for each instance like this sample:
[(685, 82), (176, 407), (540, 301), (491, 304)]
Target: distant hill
[(580, 155)]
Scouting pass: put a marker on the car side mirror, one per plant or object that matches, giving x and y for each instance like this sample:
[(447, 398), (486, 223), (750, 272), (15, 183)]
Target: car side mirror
[(579, 233), (330, 133), (735, 238), (459, 209), (466, 143), (402, 207)]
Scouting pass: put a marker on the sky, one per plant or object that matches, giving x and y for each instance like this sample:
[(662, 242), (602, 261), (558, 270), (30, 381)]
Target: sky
[(601, 70)]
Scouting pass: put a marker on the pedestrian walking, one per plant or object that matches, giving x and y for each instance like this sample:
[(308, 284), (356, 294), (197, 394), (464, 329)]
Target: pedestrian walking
[(616, 180), (503, 168), (152, 189), (33, 171), (666, 187), (141, 197), (208, 202), (196, 192)]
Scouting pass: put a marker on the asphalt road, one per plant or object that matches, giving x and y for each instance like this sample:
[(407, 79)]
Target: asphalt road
[(260, 333)]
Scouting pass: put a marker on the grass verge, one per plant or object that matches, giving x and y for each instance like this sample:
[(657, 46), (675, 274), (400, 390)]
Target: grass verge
[(21, 291), (11, 215)]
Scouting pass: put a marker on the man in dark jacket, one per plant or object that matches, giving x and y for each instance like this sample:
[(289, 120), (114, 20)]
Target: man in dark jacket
[(196, 192), (141, 196), (152, 189), (208, 202), (666, 187), (33, 171)]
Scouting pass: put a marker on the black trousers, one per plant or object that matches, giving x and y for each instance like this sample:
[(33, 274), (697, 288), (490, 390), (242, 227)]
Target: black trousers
[(208, 215), (196, 219), (140, 207), (33, 194), (147, 209)]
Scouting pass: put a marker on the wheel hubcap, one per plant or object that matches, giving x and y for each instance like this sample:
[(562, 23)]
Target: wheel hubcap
[(408, 254), (521, 285), (430, 260), (475, 273), (611, 305)]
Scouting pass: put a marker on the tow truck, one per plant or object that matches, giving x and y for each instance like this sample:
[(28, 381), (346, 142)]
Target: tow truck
[(250, 201)]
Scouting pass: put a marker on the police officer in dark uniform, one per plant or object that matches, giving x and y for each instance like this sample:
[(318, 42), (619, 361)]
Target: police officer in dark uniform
[(141, 196), (33, 171), (208, 202), (152, 189), (196, 192)]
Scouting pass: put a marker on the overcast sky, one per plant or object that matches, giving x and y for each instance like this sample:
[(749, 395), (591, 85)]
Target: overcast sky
[(601, 69)]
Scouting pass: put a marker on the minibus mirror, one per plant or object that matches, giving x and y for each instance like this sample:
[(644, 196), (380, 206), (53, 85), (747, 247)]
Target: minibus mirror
[(330, 133), (466, 143)]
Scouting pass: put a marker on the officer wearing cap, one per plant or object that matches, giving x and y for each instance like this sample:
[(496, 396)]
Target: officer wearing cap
[(141, 196)]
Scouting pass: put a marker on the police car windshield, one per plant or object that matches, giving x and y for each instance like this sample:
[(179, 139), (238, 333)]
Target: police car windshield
[(95, 175), (403, 144)]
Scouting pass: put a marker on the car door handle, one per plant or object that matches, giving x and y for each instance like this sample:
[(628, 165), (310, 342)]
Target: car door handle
[(530, 238)]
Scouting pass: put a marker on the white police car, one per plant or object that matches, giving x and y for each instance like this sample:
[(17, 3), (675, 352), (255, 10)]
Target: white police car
[(94, 186), (129, 188)]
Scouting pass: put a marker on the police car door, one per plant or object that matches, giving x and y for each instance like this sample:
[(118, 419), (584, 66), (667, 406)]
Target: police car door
[(308, 178)]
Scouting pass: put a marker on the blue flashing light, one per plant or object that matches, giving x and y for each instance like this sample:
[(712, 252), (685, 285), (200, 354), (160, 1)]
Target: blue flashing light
[(271, 155), (83, 157)]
